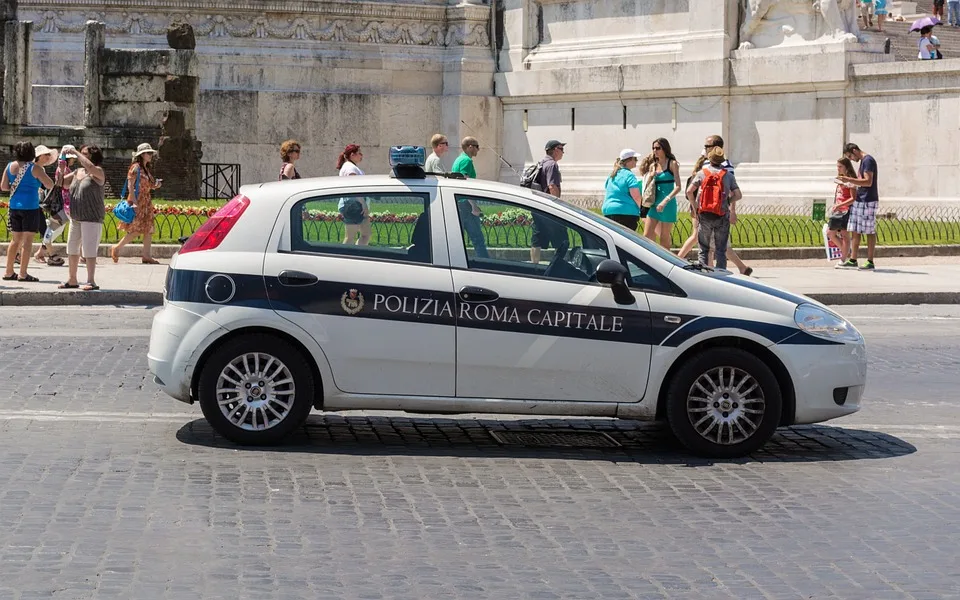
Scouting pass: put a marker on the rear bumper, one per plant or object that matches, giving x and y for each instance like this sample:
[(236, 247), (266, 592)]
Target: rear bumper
[(177, 340)]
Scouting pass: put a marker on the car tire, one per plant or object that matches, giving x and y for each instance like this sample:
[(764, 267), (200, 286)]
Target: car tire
[(278, 379), (713, 402)]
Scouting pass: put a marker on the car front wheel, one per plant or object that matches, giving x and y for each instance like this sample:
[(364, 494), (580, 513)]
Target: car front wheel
[(724, 403), (256, 389)]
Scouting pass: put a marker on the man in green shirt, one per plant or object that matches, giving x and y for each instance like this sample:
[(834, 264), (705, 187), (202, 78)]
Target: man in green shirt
[(468, 209)]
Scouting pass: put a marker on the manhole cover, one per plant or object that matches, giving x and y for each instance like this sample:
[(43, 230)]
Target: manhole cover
[(570, 439)]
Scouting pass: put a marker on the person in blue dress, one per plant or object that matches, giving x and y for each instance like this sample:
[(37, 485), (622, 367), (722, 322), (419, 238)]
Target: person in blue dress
[(658, 226)]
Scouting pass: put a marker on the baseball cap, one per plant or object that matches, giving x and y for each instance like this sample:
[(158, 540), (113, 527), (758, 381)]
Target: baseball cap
[(627, 154), (553, 144)]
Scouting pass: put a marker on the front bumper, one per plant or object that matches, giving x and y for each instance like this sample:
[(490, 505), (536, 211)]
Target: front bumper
[(177, 339), (819, 371)]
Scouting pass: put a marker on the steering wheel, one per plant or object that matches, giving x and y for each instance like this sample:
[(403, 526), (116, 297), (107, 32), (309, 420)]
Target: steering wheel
[(557, 257)]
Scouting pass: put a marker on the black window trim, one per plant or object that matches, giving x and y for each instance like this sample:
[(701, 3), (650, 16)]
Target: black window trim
[(296, 229), (672, 288)]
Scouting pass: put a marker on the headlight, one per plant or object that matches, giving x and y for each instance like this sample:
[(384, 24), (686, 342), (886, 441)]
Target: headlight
[(825, 324)]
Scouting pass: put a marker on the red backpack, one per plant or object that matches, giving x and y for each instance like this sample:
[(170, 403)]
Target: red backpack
[(711, 192)]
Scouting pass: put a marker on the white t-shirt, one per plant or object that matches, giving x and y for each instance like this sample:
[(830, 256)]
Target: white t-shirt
[(349, 168), (433, 164), (927, 49)]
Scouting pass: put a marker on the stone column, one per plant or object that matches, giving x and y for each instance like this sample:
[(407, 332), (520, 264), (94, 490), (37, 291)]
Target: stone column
[(16, 74), (93, 45), (519, 34)]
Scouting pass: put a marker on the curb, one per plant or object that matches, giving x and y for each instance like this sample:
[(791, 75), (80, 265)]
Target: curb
[(77, 298), (146, 298)]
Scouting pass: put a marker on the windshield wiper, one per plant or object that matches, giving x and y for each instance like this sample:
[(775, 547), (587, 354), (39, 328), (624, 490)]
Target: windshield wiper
[(695, 266)]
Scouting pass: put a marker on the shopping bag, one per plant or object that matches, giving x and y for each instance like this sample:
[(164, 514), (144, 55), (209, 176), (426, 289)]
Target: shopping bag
[(833, 252)]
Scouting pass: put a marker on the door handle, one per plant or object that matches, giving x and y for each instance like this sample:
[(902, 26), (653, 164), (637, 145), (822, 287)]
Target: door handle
[(297, 278), (470, 293)]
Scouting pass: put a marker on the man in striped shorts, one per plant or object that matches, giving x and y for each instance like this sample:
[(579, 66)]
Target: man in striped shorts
[(863, 213)]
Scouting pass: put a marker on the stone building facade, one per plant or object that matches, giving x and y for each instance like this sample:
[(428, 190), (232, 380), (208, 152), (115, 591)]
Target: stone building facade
[(786, 82)]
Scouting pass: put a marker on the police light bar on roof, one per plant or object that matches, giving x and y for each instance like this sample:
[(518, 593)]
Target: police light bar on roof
[(407, 156)]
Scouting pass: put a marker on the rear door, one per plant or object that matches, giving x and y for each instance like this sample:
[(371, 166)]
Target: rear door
[(381, 312), (544, 330)]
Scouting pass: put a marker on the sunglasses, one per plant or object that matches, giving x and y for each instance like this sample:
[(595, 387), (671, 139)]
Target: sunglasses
[(708, 146), (477, 146), (657, 148), (444, 144)]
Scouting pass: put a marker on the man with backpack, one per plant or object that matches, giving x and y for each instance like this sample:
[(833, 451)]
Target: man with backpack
[(545, 176), (711, 194)]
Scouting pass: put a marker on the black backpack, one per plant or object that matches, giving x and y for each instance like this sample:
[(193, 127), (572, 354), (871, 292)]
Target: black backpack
[(530, 176)]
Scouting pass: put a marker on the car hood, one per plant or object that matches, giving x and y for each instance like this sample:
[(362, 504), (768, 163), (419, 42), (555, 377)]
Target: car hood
[(739, 290)]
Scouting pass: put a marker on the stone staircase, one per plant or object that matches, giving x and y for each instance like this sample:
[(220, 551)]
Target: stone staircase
[(903, 45)]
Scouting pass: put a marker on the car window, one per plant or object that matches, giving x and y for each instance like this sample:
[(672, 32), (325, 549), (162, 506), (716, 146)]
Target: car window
[(643, 277), (632, 235), (509, 238), (392, 226)]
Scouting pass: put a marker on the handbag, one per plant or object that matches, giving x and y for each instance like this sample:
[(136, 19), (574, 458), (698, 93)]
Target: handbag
[(52, 202), (649, 192), (124, 212)]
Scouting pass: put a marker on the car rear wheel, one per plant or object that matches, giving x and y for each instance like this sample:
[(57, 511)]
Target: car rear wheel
[(724, 403), (256, 389)]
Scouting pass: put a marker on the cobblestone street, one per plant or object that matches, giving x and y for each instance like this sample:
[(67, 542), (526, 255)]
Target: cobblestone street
[(109, 489)]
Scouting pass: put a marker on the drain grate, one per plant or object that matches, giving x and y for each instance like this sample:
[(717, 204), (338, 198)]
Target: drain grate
[(552, 438)]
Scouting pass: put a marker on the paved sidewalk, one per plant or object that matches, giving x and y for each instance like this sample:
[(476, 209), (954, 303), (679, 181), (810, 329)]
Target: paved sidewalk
[(933, 280)]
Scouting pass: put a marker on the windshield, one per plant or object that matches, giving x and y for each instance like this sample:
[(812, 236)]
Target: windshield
[(633, 236)]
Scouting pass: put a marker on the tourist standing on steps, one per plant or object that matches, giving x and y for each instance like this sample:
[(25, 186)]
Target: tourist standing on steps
[(938, 9), (621, 197), (86, 215), (468, 209), (355, 211), (953, 12), (289, 154), (880, 10), (866, 11), (23, 178), (140, 185), (663, 214), (863, 212), (440, 146), (545, 231)]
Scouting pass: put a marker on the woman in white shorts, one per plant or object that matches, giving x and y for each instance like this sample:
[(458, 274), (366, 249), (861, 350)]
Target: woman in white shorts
[(87, 210)]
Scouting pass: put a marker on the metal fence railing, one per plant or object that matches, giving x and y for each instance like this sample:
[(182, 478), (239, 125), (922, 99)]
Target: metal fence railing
[(757, 226), (220, 181)]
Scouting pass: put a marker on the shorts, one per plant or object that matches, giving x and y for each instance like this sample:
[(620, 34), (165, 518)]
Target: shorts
[(863, 218), (631, 222), (84, 239), (644, 211), (29, 221), (547, 232), (352, 211), (839, 222)]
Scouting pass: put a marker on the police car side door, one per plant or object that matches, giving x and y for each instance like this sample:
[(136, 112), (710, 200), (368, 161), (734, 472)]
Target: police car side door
[(382, 312), (544, 331)]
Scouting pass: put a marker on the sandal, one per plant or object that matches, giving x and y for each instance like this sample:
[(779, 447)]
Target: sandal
[(68, 286), (13, 277), (55, 261), (90, 287), (28, 279), (149, 261)]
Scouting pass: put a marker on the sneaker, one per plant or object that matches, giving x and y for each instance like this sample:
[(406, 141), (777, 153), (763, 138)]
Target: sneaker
[(849, 264), (868, 266)]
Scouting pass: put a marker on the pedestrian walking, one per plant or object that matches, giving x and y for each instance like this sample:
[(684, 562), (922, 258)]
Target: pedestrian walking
[(713, 192), (547, 232), (57, 206), (663, 214), (354, 210), (953, 12), (622, 198), (87, 211), (468, 208), (840, 211), (866, 13), (140, 185), (863, 211), (938, 9), (880, 10), (24, 177), (440, 145), (289, 155)]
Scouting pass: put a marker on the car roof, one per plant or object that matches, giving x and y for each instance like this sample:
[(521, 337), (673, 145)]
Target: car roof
[(292, 187)]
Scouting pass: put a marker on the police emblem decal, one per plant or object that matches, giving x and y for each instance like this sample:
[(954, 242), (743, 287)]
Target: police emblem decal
[(351, 302)]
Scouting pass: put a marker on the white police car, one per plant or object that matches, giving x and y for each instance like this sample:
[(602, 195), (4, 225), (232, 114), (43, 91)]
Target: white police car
[(268, 314)]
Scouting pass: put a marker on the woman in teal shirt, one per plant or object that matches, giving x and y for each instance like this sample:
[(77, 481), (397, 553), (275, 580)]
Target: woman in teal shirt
[(621, 201), (663, 214)]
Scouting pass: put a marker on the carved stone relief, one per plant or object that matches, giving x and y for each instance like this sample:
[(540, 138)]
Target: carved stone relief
[(771, 23), (364, 31)]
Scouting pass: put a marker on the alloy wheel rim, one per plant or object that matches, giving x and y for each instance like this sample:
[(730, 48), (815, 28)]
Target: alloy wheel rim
[(726, 405), (255, 391)]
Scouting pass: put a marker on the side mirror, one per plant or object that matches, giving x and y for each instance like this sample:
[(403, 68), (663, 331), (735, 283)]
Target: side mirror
[(612, 274)]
